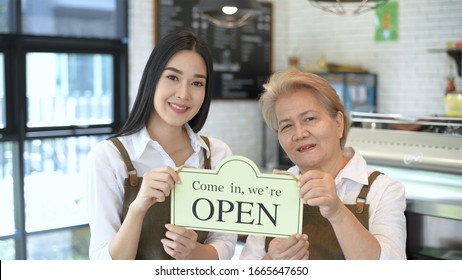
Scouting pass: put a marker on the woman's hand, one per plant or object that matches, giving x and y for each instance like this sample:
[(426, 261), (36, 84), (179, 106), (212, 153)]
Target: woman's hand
[(295, 247), (318, 188), (179, 241), (156, 186)]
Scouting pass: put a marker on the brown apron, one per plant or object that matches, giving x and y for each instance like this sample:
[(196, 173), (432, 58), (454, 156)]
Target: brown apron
[(323, 242), (153, 229)]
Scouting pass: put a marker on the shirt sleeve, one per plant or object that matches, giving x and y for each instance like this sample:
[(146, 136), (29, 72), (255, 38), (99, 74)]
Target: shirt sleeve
[(254, 248), (387, 221), (224, 243), (104, 197)]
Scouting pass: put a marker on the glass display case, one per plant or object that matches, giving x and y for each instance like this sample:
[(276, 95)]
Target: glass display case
[(357, 90), (425, 154)]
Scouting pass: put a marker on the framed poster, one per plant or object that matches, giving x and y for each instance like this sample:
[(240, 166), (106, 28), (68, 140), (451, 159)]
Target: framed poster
[(241, 56), (386, 19)]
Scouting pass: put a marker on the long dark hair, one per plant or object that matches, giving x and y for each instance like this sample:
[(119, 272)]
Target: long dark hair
[(161, 54)]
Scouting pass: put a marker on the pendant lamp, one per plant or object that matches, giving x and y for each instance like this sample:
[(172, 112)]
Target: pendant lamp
[(347, 7), (228, 13)]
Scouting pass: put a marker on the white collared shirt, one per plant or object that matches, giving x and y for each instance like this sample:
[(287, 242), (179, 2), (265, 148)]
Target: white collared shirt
[(105, 175), (387, 203)]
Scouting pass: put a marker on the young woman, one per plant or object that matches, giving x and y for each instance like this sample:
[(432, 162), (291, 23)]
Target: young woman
[(351, 211), (131, 175)]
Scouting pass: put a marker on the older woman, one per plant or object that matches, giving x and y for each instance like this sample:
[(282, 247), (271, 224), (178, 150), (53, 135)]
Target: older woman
[(351, 211)]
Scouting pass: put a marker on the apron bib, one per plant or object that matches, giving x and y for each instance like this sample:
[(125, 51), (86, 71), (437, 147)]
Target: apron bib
[(153, 229), (323, 242)]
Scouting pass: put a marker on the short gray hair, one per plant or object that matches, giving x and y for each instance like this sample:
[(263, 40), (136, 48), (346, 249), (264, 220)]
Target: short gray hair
[(284, 82)]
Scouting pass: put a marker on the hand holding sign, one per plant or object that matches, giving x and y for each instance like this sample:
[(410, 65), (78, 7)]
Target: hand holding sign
[(236, 198)]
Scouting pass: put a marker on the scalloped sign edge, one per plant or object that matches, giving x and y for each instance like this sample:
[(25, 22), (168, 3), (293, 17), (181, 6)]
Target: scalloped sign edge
[(236, 198)]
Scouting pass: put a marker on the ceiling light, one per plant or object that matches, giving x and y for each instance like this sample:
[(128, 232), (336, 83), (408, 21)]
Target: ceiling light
[(347, 7), (228, 13), (229, 10)]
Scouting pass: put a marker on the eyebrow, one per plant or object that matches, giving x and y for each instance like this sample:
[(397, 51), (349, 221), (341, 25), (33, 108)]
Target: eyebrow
[(301, 114), (181, 72)]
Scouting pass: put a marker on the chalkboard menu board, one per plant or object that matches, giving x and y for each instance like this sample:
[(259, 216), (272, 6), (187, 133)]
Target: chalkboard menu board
[(242, 56)]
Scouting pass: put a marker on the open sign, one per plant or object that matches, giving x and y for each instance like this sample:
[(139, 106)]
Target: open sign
[(235, 197)]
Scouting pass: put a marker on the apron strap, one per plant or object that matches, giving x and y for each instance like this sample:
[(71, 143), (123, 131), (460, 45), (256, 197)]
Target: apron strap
[(361, 199), (132, 174), (207, 164)]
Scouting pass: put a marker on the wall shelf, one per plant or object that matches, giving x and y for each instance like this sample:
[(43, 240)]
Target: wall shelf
[(456, 54)]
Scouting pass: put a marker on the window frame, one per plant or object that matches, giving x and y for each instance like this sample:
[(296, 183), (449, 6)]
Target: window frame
[(15, 48)]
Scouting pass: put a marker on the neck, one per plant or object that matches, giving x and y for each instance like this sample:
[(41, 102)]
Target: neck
[(173, 139), (166, 135)]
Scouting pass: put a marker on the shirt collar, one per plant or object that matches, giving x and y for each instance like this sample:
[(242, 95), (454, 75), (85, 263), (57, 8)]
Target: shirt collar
[(142, 139), (196, 141), (355, 169)]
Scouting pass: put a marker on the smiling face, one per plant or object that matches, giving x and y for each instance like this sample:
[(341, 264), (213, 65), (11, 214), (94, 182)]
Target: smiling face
[(180, 91), (307, 133)]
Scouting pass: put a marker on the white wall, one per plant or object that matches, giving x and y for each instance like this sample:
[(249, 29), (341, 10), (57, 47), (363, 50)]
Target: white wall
[(140, 41), (238, 123), (411, 78)]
